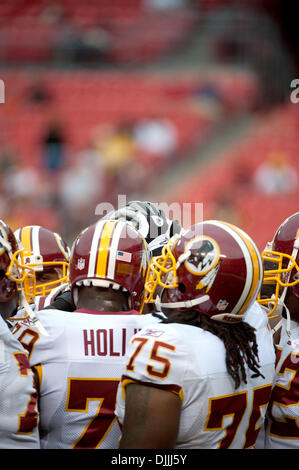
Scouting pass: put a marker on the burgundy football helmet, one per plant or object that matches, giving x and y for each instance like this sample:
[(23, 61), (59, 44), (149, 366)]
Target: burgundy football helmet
[(281, 264), (8, 247), (213, 267), (110, 254), (13, 275), (44, 250)]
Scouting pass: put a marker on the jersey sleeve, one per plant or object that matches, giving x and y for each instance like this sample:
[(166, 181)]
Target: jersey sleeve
[(156, 356), (38, 346)]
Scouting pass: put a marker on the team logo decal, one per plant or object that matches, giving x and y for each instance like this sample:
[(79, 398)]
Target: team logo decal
[(81, 264), (222, 304), (204, 255), (158, 220)]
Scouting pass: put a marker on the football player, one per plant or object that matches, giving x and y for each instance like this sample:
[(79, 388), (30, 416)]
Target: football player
[(281, 270), (48, 255), (79, 362), (18, 396), (202, 377), (145, 217)]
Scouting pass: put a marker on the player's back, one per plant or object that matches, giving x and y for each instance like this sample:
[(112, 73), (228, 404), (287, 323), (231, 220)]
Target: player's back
[(226, 417), (192, 363), (79, 366), (18, 410)]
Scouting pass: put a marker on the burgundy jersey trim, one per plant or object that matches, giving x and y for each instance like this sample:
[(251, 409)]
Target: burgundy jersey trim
[(169, 387)]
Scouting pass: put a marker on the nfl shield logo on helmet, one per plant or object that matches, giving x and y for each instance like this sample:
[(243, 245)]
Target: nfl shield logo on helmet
[(158, 220), (222, 304), (81, 263)]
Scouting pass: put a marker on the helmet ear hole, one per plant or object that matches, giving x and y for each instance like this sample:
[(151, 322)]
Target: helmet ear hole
[(182, 287)]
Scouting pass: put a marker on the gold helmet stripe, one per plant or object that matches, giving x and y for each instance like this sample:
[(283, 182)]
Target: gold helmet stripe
[(253, 266), (256, 264), (26, 240), (103, 250), (60, 246)]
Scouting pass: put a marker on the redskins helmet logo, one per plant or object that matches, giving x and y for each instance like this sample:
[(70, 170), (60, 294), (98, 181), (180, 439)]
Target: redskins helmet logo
[(204, 255)]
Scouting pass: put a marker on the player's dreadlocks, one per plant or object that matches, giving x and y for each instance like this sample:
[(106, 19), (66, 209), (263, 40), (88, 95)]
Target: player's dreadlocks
[(239, 340)]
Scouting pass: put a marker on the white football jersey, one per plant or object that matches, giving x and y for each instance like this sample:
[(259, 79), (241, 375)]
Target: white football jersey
[(18, 402), (282, 431), (79, 366), (191, 362)]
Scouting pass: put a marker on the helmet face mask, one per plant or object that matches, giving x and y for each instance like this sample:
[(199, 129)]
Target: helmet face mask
[(281, 265), (162, 272), (213, 267), (14, 275), (55, 273), (43, 252)]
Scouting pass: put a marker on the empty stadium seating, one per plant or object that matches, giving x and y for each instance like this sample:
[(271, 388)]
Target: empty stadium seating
[(85, 99), (275, 131)]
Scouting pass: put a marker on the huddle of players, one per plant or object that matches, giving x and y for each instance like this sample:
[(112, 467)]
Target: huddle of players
[(86, 370)]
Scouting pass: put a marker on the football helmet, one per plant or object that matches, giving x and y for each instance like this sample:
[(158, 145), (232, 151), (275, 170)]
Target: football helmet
[(47, 254), (281, 265), (110, 254), (150, 221), (213, 267), (14, 276)]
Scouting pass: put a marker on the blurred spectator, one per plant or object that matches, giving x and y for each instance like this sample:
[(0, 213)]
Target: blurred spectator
[(67, 43), (163, 5), (72, 45), (21, 182), (53, 147), (52, 12), (156, 137), (276, 175), (7, 157), (116, 147), (96, 46), (81, 183), (38, 93)]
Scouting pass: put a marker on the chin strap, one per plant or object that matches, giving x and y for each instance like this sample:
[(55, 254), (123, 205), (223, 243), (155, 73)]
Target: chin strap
[(280, 307), (32, 316), (277, 327), (183, 304), (288, 327)]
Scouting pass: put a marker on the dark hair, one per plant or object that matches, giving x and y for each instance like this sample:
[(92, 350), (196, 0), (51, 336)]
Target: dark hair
[(239, 340)]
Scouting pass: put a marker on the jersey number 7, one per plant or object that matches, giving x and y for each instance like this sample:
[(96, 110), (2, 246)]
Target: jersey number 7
[(80, 392)]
